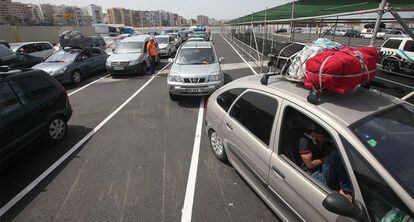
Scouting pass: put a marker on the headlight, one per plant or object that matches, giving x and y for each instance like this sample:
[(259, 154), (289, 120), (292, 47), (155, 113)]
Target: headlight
[(59, 71), (108, 63), (213, 77), (174, 77), (133, 62)]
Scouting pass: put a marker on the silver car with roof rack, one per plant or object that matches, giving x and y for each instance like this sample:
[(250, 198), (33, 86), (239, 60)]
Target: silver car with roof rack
[(195, 70), (257, 128)]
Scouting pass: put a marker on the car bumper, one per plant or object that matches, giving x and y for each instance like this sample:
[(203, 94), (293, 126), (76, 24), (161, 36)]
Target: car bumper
[(63, 78), (125, 70), (163, 52), (198, 89)]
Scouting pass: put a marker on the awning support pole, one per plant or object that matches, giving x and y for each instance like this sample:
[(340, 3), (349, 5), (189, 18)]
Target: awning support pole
[(378, 22), (263, 40), (291, 22)]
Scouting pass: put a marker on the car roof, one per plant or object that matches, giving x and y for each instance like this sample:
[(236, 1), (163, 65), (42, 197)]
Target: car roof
[(162, 36), (343, 109), (401, 38), (138, 38), (197, 44), (25, 43)]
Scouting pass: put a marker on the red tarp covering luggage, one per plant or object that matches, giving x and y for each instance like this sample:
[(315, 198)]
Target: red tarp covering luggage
[(341, 70)]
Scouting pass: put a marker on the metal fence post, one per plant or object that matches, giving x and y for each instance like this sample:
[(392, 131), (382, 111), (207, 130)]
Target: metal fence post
[(350, 35), (334, 32), (310, 32), (291, 38), (320, 29), (263, 40)]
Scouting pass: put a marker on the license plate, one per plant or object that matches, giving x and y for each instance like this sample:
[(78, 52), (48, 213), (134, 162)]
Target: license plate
[(118, 68), (195, 90)]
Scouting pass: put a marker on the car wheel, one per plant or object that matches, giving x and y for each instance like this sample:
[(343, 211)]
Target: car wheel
[(56, 130), (217, 146), (174, 97), (76, 77), (390, 66), (144, 68)]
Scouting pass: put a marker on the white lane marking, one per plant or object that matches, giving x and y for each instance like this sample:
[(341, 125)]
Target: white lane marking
[(71, 93), (56, 164), (192, 175), (251, 68), (397, 83)]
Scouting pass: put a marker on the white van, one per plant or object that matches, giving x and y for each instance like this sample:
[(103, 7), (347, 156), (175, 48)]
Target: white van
[(397, 54)]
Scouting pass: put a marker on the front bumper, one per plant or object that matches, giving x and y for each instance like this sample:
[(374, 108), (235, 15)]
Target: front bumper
[(124, 70), (193, 89)]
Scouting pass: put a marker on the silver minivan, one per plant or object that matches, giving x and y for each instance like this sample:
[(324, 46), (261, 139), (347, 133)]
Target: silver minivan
[(347, 159), (195, 70)]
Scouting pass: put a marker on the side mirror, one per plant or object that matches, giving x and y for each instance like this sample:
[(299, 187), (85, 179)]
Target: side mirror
[(339, 204), (221, 59), (171, 60)]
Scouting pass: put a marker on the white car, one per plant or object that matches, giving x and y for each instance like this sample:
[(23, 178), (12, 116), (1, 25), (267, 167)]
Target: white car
[(166, 44), (38, 49), (397, 54), (340, 32)]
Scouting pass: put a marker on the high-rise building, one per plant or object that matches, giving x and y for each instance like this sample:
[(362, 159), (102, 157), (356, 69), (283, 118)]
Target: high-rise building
[(202, 20), (120, 16), (95, 11), (6, 13), (181, 21), (47, 11), (25, 14)]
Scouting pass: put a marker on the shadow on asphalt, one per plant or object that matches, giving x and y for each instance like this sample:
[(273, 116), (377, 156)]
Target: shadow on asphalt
[(30, 163), (189, 101), (227, 78), (84, 81)]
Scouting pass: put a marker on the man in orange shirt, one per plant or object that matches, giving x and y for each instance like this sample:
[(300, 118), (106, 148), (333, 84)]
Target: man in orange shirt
[(153, 53)]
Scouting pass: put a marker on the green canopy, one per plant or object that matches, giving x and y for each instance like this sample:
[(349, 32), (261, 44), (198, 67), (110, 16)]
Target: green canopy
[(312, 8)]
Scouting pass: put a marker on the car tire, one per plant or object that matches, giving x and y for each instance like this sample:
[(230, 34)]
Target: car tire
[(55, 130), (174, 97), (217, 146), (143, 68), (390, 66), (76, 77)]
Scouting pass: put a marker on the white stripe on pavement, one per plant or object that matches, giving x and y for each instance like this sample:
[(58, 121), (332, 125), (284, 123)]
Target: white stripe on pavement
[(192, 175), (56, 164), (251, 68), (71, 93)]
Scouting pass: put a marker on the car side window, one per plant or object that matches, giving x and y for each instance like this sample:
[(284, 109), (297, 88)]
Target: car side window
[(227, 98), (35, 87), (314, 151), (380, 200), (36, 47), (46, 46), (409, 46), (256, 112), (8, 100), (392, 44)]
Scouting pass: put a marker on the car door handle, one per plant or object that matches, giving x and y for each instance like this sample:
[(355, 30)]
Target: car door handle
[(277, 171), (229, 126)]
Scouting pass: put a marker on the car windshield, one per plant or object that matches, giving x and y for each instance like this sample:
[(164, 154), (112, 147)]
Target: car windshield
[(188, 56), (162, 40), (129, 47), (389, 136), (63, 56), (175, 35), (164, 32)]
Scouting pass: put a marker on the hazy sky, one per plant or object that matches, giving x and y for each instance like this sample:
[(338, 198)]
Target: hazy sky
[(225, 9)]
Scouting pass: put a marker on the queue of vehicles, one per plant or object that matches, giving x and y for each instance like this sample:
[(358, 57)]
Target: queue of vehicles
[(252, 125)]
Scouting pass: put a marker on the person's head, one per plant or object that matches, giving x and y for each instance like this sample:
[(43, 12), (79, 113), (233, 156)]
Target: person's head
[(152, 40), (314, 131)]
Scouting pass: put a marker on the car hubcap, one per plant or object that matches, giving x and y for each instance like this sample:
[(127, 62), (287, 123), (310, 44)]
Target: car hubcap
[(389, 66), (76, 77), (57, 129), (216, 144)]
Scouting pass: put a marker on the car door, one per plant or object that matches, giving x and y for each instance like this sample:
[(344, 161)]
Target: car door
[(47, 49), (247, 133), (300, 192), (100, 58), (87, 62)]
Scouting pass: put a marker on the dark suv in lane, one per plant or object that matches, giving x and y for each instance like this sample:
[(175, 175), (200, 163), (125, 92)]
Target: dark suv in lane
[(32, 105)]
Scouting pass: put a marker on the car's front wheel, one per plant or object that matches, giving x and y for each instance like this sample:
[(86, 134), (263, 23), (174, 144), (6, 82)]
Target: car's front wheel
[(56, 130), (143, 68), (76, 77), (217, 146), (390, 66)]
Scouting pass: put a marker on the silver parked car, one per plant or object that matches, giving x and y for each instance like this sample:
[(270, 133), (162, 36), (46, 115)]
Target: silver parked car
[(38, 49), (195, 71), (130, 56), (349, 158), (166, 44)]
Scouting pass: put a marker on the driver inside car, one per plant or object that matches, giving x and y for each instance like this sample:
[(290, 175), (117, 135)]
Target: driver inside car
[(323, 163)]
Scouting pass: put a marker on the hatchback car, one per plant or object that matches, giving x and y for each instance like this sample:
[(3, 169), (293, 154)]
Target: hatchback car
[(271, 133), (130, 56), (32, 105), (397, 55), (72, 65), (195, 70), (166, 44), (39, 49)]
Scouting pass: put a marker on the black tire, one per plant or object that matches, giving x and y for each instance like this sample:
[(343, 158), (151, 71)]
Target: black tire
[(390, 66), (76, 77), (217, 146), (143, 68), (55, 130), (174, 97)]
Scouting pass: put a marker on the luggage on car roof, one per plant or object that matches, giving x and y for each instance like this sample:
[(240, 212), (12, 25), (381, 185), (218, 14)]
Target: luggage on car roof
[(75, 39), (341, 70)]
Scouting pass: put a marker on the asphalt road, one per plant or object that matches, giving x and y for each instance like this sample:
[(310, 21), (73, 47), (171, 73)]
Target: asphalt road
[(133, 166)]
